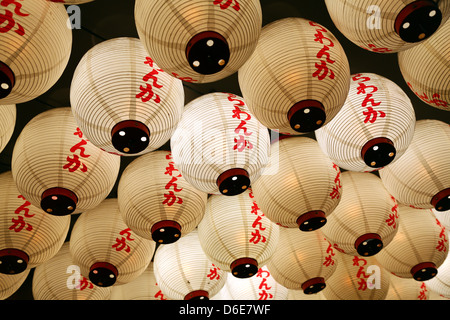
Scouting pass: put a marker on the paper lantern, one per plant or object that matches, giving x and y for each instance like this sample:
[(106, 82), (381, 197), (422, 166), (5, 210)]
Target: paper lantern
[(57, 169), (419, 247), (373, 128), (366, 219), (298, 77), (60, 279), (443, 217), (357, 278), (302, 260), (388, 26), (218, 146), (183, 271), (199, 41), (28, 235), (122, 101), (9, 284), (7, 123), (425, 69), (105, 249), (440, 284), (36, 46), (407, 289), (300, 295), (235, 234), (300, 186), (421, 177), (156, 201)]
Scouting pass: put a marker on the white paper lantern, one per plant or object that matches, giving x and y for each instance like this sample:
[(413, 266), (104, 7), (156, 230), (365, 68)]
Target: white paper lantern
[(388, 26), (156, 201), (183, 271), (300, 187), (36, 46), (199, 40), (105, 249), (426, 71), (9, 284), (419, 247), (421, 177), (28, 235), (366, 219), (298, 77), (7, 123), (441, 283), (302, 260), (443, 217), (373, 128), (407, 289), (122, 100), (235, 234), (219, 146), (60, 279), (57, 168)]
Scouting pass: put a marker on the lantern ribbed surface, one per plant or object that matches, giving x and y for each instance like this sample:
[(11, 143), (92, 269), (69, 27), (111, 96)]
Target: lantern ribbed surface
[(8, 115), (298, 77), (122, 100), (199, 41), (421, 177), (107, 251), (36, 46), (143, 287), (441, 283), (388, 26), (9, 284), (59, 279), (443, 217), (53, 158), (28, 235), (184, 272), (261, 287), (366, 219), (156, 201), (235, 234), (300, 295), (302, 261), (374, 127), (419, 247), (301, 185), (357, 278), (219, 146), (407, 289), (425, 69)]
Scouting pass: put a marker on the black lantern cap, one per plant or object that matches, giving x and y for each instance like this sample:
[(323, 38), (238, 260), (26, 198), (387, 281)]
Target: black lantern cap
[(441, 200), (13, 261), (424, 271), (59, 201), (244, 267), (313, 285), (197, 295), (7, 80), (378, 152), (103, 274), (306, 116), (368, 244), (311, 220), (130, 136), (233, 182), (166, 231)]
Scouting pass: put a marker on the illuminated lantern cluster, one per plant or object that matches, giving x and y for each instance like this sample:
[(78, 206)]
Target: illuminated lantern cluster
[(297, 79), (388, 26), (199, 41), (156, 201), (36, 46), (7, 123), (373, 128), (122, 100), (300, 186), (219, 146), (57, 168)]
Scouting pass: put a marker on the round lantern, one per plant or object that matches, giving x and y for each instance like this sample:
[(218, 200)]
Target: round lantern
[(36, 46), (156, 201), (122, 100), (421, 177), (107, 251), (357, 278), (297, 79), (373, 128), (7, 123), (183, 271), (302, 260), (419, 247), (388, 26), (301, 185), (9, 284), (28, 235), (219, 146), (235, 234), (57, 168), (407, 289), (443, 217), (60, 279), (441, 283), (366, 219), (199, 41), (425, 69)]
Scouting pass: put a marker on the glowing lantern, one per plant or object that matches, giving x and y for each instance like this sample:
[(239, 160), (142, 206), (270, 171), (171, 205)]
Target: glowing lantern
[(441, 283), (407, 289), (7, 124)]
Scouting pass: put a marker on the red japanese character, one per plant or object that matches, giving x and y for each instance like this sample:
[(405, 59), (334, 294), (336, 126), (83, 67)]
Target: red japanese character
[(78, 133), (79, 146), (242, 143), (335, 194), (319, 37), (241, 127), (213, 273), (328, 261), (24, 208), (237, 114), (170, 169), (85, 284), (121, 244), (264, 285), (160, 295), (228, 3), (9, 19), (262, 273), (19, 224), (255, 208), (74, 163), (361, 89), (186, 79), (323, 71), (371, 115), (172, 183), (357, 260), (258, 223), (171, 198), (257, 237), (324, 52), (264, 295), (147, 93), (373, 48), (359, 76)]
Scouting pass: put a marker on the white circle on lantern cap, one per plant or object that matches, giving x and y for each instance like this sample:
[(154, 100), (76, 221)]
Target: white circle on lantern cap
[(5, 86), (432, 13), (122, 133), (406, 25), (210, 43)]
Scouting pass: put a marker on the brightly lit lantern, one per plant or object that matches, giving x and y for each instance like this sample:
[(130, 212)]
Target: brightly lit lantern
[(441, 283), (407, 289)]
